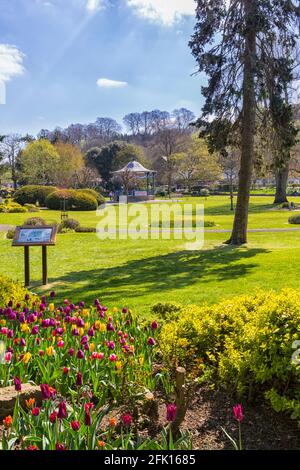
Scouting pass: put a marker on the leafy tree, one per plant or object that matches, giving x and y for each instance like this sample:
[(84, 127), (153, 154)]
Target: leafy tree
[(39, 163), (228, 43), (111, 157), (196, 164), (70, 161), (10, 148)]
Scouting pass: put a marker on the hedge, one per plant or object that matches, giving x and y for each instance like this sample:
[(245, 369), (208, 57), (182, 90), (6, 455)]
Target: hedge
[(100, 199), (11, 291), (246, 344), (32, 194), (75, 200)]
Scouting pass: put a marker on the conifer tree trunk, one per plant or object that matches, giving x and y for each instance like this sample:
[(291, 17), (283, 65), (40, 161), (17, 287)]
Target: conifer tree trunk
[(239, 232), (281, 177)]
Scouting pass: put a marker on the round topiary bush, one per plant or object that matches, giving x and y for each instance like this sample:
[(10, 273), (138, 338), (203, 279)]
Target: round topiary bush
[(295, 219), (99, 198), (75, 200), (10, 234), (35, 221), (12, 291), (86, 229), (32, 194), (68, 224)]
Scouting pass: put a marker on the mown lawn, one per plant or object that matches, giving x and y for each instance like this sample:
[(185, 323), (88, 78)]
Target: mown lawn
[(142, 272)]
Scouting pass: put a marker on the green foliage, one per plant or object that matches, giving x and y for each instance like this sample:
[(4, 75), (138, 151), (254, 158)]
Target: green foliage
[(166, 310), (12, 291), (75, 200), (35, 221), (99, 198), (246, 343), (32, 208), (32, 194), (14, 208), (295, 219), (39, 162), (85, 229), (10, 234), (204, 192), (70, 224)]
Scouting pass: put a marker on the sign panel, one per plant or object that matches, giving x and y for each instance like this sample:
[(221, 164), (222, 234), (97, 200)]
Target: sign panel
[(35, 236)]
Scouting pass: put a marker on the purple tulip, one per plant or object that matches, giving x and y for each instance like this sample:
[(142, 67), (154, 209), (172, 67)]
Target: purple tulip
[(84, 340), (80, 354), (71, 352), (110, 327), (35, 330), (171, 412), (151, 341), (79, 379), (62, 410), (52, 294), (18, 384), (81, 304), (154, 325), (22, 342)]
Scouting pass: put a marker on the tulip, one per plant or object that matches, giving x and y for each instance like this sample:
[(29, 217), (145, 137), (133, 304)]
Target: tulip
[(112, 358), (59, 446), (171, 412), (18, 384), (238, 412), (127, 419), (62, 410), (52, 294), (27, 297), (22, 342), (113, 422), (111, 345), (8, 422), (45, 391), (66, 370), (32, 447), (53, 417), (81, 304), (75, 425), (60, 344), (100, 356), (151, 342), (35, 411), (80, 354), (71, 352), (79, 379), (154, 325), (110, 327), (124, 310)]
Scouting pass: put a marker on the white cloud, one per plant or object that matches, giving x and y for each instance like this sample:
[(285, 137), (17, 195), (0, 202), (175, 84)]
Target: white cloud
[(94, 5), (107, 83), (167, 12), (11, 65), (11, 62)]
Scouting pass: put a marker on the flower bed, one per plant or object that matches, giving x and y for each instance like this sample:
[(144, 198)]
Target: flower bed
[(95, 372)]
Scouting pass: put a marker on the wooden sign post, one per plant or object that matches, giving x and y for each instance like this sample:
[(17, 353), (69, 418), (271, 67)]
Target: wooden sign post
[(43, 235)]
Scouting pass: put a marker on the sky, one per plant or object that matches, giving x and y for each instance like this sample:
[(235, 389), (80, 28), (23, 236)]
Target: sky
[(68, 61)]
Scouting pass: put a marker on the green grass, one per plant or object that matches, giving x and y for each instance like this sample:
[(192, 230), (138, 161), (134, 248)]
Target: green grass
[(143, 272)]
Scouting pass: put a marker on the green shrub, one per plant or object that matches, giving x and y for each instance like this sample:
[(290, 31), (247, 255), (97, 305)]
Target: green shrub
[(35, 221), (75, 200), (99, 198), (3, 208), (70, 224), (246, 343), (10, 234), (12, 291), (166, 310), (33, 193), (204, 192), (86, 229), (209, 223), (32, 208), (14, 208), (295, 219)]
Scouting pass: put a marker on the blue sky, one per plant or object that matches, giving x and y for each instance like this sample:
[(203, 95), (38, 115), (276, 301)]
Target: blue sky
[(64, 61)]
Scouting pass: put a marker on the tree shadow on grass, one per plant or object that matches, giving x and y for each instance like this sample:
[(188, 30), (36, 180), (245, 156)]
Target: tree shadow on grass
[(158, 274)]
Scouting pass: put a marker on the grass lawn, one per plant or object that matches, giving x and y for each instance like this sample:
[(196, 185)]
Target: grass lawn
[(141, 273)]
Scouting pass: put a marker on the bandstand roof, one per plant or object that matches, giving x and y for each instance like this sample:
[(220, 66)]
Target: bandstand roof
[(134, 167)]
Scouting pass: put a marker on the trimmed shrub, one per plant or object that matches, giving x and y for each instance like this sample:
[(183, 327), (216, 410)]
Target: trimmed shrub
[(76, 200), (32, 208), (35, 221), (68, 224), (12, 291), (3, 208), (86, 229), (245, 343), (14, 208), (10, 234), (99, 198), (295, 219), (204, 192), (33, 193)]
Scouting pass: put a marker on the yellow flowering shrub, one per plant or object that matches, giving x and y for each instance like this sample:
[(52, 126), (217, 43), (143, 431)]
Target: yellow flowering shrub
[(245, 342)]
